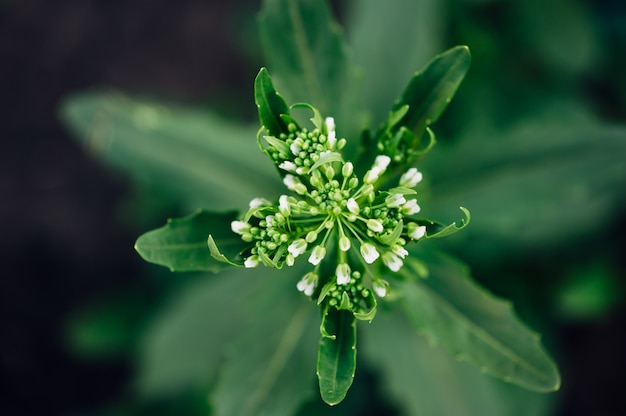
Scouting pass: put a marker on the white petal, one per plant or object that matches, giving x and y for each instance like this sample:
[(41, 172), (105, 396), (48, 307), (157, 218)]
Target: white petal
[(395, 200), (251, 261), (382, 162), (239, 227), (418, 232), (374, 225), (317, 255), (343, 274), (392, 261), (411, 178), (411, 207), (288, 166), (297, 247), (369, 253), (353, 206)]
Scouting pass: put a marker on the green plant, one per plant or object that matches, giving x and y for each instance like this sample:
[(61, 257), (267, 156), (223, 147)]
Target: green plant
[(348, 215), (270, 335)]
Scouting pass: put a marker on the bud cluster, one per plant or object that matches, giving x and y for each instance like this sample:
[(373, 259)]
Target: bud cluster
[(345, 226)]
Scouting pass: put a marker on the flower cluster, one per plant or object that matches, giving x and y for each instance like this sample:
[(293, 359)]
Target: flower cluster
[(345, 225)]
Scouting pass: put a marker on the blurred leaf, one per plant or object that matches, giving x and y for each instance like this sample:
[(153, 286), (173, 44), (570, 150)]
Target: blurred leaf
[(389, 53), (427, 381), (198, 157), (336, 361), (306, 54), (450, 309), (271, 105), (529, 188), (430, 91), (182, 244), (107, 327), (183, 347), (560, 31), (268, 369), (589, 292)]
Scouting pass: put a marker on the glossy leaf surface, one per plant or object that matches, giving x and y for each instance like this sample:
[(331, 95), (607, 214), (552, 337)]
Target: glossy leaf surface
[(429, 91), (336, 360), (270, 104)]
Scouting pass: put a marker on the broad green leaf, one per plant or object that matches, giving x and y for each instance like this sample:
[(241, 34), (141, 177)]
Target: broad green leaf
[(200, 159), (451, 310), (183, 346), (388, 54), (305, 51), (530, 185), (424, 380), (430, 90), (336, 360), (182, 244), (270, 104), (268, 369)]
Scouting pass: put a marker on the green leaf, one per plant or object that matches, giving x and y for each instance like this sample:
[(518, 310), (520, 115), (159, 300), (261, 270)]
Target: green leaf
[(388, 54), (182, 245), (436, 230), (183, 346), (268, 367), (270, 104), (305, 51), (336, 360), (452, 310), (424, 380), (201, 160), (530, 185), (430, 90)]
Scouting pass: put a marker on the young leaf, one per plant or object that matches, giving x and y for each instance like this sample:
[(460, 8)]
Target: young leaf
[(336, 360), (452, 310), (267, 369), (305, 50), (430, 90), (270, 104), (182, 245)]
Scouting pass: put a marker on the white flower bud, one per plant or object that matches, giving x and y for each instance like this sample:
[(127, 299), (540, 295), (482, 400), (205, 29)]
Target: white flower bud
[(317, 255), (240, 227), (283, 206), (411, 207), (399, 250), (410, 178), (288, 166), (380, 287), (395, 200), (382, 162), (417, 232), (297, 247), (353, 206), (375, 225), (251, 261), (343, 274), (347, 169), (372, 175), (369, 253), (344, 243), (392, 261)]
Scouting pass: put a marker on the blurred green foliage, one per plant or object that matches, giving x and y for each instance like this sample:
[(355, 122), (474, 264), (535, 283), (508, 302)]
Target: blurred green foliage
[(534, 144)]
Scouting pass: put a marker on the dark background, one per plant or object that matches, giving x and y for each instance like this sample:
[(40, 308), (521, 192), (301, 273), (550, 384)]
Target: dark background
[(62, 242)]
